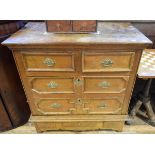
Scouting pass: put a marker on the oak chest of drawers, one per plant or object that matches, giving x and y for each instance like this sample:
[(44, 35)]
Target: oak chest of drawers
[(78, 81)]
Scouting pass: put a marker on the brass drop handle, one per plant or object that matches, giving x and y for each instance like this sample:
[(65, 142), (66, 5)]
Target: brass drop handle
[(107, 63), (104, 84), (49, 62), (102, 105), (55, 105), (52, 84)]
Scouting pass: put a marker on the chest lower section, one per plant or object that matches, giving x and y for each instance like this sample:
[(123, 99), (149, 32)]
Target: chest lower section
[(73, 83)]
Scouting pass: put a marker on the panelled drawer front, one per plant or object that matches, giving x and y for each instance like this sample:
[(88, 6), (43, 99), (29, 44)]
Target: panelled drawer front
[(48, 61), (50, 106), (105, 84), (54, 106), (104, 106), (52, 85), (107, 62)]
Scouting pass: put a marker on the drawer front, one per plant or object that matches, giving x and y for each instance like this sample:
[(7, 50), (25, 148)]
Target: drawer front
[(49, 106), (81, 125), (75, 126), (55, 106), (84, 26), (104, 106), (107, 62), (105, 84), (52, 85), (48, 61), (59, 25)]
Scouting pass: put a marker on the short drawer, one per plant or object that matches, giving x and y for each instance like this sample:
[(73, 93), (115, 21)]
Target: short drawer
[(111, 105), (48, 61), (49, 106), (105, 84), (52, 85), (107, 62)]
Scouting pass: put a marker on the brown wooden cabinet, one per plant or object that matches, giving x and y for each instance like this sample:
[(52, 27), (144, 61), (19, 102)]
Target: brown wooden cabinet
[(78, 81), (5, 122), (14, 110)]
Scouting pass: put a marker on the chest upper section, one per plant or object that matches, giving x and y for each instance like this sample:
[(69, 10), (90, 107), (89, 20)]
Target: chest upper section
[(36, 62)]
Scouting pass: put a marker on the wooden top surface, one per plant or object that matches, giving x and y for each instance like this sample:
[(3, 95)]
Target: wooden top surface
[(34, 33), (147, 64)]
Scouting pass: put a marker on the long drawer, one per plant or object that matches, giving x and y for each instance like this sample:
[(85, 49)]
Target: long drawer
[(84, 84), (107, 105)]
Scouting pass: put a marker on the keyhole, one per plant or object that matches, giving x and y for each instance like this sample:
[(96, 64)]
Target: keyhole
[(79, 100), (78, 82)]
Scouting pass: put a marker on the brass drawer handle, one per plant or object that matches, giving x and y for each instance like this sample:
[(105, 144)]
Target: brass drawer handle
[(107, 63), (52, 84), (55, 105), (78, 82), (104, 84), (49, 62), (102, 105)]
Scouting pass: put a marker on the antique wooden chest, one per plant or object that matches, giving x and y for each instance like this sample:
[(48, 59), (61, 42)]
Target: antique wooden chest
[(78, 81)]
